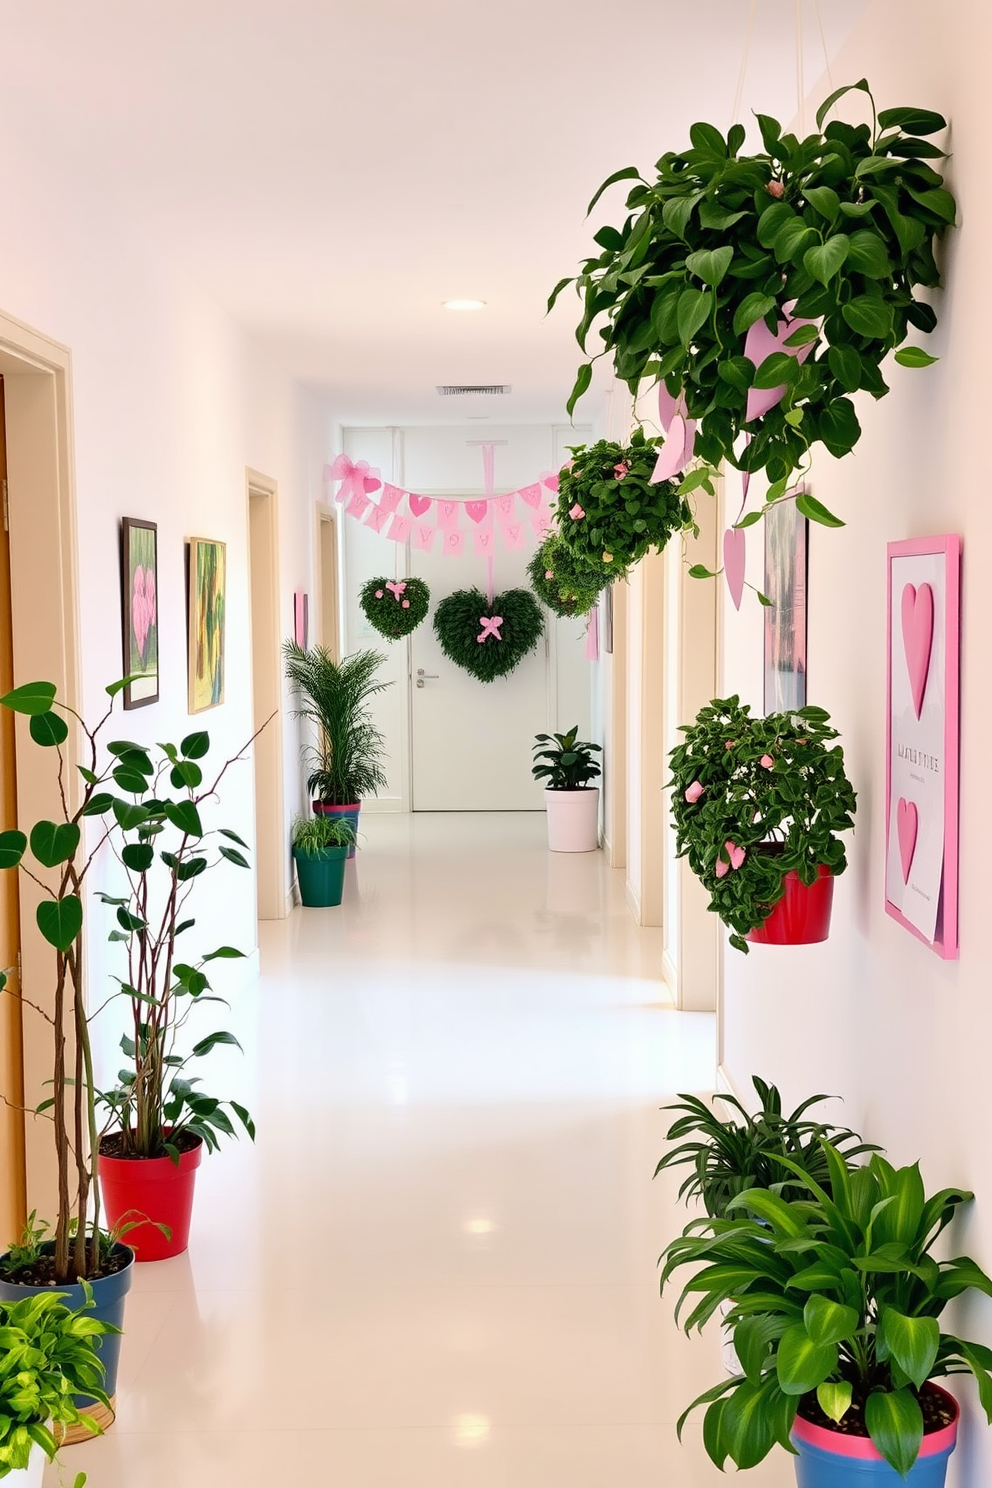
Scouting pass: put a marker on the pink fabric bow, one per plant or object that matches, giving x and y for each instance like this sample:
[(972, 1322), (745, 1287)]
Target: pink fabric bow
[(357, 477), (395, 589), (680, 436), (490, 627)]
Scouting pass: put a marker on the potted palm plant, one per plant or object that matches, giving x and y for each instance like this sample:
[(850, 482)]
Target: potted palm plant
[(758, 804), (835, 1305), (347, 760), (566, 766), (48, 1361), (320, 849)]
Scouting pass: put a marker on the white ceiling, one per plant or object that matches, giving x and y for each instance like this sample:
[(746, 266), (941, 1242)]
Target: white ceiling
[(330, 170)]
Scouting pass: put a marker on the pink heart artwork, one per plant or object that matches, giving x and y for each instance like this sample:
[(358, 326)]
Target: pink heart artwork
[(917, 638), (477, 510), (907, 826), (143, 607), (419, 505), (734, 558)]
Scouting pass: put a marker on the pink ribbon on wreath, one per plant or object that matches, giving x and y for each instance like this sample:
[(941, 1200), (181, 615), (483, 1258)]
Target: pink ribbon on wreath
[(490, 627), (357, 477), (396, 589)]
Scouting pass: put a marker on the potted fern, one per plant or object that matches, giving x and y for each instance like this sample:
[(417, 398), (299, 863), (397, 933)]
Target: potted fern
[(567, 767), (320, 848)]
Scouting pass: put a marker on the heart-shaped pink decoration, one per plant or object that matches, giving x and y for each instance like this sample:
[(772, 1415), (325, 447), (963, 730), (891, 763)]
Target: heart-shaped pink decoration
[(532, 494), (735, 854), (917, 638), (759, 344), (370, 483), (722, 868), (143, 607), (477, 510), (907, 825), (419, 504), (695, 790), (734, 561)]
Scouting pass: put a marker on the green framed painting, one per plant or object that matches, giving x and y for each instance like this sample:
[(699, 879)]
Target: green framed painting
[(139, 619), (207, 604)]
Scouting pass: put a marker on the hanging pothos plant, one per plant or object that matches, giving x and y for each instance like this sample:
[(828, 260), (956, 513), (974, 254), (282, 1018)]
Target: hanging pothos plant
[(763, 290), (565, 585), (609, 512)]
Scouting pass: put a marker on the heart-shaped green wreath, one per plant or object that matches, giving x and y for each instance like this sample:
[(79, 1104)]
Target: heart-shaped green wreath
[(395, 607), (465, 624), (566, 586)]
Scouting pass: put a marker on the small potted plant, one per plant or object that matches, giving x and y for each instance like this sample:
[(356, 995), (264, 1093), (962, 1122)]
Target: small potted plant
[(567, 767), (48, 1360), (758, 804), (609, 512), (565, 585), (320, 849), (835, 1307), (348, 756)]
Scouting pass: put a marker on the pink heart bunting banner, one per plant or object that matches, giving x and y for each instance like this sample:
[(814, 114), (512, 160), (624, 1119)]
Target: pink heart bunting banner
[(759, 344), (477, 510), (540, 521), (447, 514), (917, 638), (390, 498), (550, 479), (454, 543), (399, 528), (358, 505), (419, 505), (423, 536), (513, 535), (907, 827), (376, 518), (505, 507), (483, 541), (734, 560), (532, 494), (355, 476)]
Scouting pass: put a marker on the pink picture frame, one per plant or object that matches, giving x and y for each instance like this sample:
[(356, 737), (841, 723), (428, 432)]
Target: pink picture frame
[(923, 675), (301, 619)]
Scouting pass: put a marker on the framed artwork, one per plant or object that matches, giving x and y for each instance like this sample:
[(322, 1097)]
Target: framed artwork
[(301, 619), (207, 603), (921, 773), (139, 615), (786, 570), (607, 598)]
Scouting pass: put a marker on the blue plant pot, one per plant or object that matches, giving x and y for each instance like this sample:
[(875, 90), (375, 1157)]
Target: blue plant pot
[(828, 1459)]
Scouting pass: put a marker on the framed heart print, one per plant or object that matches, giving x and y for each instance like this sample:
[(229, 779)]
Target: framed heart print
[(921, 822), (139, 596)]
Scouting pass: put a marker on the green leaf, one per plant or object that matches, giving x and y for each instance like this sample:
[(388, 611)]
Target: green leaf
[(937, 200), (129, 815), (824, 199), (582, 381), (895, 1424), (129, 779), (802, 336), (54, 843), (186, 773), (780, 367), (232, 836), (749, 520), (233, 856), (838, 427), (138, 856), (800, 1363), (808, 506), (48, 729), (693, 310), (700, 571), (845, 364), (629, 173), (708, 139), (60, 920), (12, 845), (835, 1398), (224, 953), (562, 284), (827, 1321), (184, 815), (113, 688), (912, 1341), (869, 255), (771, 222), (33, 698), (754, 306), (211, 1041), (130, 922), (828, 103), (195, 746), (869, 316), (915, 356), (764, 600), (793, 238), (710, 264), (911, 120), (827, 260)]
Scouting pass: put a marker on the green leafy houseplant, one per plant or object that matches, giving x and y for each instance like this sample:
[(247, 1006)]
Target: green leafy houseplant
[(609, 513), (395, 609), (567, 586), (840, 227), (312, 835), (46, 1358), (335, 696), (836, 1300), (725, 1156), (466, 629), (755, 798), (564, 762)]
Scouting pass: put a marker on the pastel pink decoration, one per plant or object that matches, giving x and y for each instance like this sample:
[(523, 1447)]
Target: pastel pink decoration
[(759, 344), (399, 528), (376, 518), (540, 521), (423, 536), (390, 498), (505, 507), (477, 510), (513, 536), (722, 868), (532, 494), (592, 634), (143, 607), (576, 513), (776, 189), (696, 789), (680, 436), (355, 476), (454, 543), (766, 762), (548, 574), (735, 854), (490, 627), (447, 514), (406, 604), (419, 505), (734, 560), (620, 469), (379, 594), (397, 589), (917, 638), (301, 618), (358, 505), (483, 541), (907, 826)]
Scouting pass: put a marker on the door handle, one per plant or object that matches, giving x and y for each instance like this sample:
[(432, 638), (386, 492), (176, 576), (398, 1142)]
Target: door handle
[(431, 676)]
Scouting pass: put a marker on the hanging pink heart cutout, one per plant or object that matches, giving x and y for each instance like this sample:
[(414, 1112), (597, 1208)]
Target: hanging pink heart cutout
[(734, 562), (917, 638), (907, 826)]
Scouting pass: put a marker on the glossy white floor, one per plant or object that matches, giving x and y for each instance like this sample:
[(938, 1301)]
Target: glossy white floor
[(436, 1268)]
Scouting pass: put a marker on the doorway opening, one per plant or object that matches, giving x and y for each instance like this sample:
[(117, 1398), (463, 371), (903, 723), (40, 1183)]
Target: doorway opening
[(271, 851)]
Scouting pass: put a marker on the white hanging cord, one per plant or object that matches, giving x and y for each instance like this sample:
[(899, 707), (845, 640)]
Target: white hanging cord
[(744, 60), (823, 43), (800, 79)]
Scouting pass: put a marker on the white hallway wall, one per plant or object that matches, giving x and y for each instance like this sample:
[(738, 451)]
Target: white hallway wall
[(171, 403), (872, 1015)]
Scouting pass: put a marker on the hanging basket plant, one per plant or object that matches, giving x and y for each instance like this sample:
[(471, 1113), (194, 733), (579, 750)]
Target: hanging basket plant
[(609, 513), (566, 586), (395, 607), (764, 290), (488, 640), (754, 799)]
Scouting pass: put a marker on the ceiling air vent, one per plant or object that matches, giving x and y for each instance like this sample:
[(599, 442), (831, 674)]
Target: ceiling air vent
[(477, 389)]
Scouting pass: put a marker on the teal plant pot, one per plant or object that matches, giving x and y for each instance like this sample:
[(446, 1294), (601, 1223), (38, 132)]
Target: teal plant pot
[(343, 813), (321, 876)]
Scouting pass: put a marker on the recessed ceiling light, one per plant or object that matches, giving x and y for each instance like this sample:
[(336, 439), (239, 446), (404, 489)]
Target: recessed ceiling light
[(463, 304)]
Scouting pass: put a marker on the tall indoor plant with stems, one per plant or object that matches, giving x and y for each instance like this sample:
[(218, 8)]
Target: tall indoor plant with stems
[(835, 1307)]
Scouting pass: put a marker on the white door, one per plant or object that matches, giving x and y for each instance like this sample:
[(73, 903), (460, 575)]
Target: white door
[(471, 740)]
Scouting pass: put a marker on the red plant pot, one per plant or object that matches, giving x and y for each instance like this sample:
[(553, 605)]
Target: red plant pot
[(156, 1188), (802, 915), (350, 813)]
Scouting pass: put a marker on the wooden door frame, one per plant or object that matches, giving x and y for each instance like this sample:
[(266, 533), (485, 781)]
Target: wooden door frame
[(273, 876), (327, 619), (37, 374)]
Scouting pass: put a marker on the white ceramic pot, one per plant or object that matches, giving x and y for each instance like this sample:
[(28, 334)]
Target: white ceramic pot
[(30, 1476), (573, 819)]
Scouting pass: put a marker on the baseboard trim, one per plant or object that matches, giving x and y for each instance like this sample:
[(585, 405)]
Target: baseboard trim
[(633, 900), (670, 976)]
